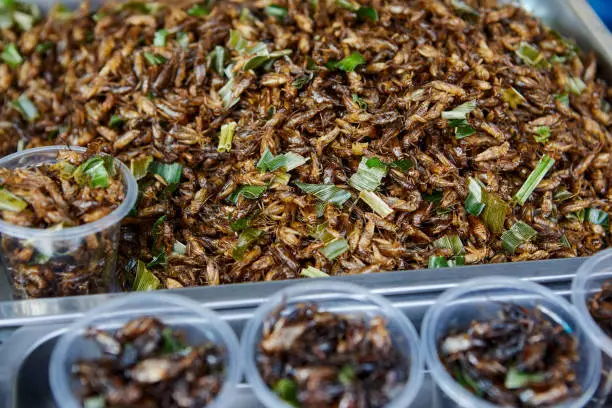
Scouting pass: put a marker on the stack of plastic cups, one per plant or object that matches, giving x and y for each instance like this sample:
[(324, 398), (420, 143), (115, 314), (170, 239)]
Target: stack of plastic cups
[(480, 299), (589, 280)]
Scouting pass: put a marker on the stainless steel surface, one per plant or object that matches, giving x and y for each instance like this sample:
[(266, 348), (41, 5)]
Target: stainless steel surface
[(29, 329)]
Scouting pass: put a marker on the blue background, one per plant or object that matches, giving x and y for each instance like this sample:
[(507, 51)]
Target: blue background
[(604, 9)]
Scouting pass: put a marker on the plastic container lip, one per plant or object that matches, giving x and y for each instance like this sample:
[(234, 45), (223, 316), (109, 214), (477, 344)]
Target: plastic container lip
[(131, 194), (252, 331), (60, 382), (580, 292), (456, 392)]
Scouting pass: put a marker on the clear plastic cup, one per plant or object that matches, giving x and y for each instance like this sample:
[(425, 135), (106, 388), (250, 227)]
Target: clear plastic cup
[(589, 279), (339, 298), (479, 299), (199, 324), (71, 261)]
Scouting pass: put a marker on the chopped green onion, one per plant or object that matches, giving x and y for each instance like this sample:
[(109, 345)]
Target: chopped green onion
[(348, 64), (517, 235), (436, 262), (494, 212), (43, 47), (467, 381), (321, 233), (179, 248), (277, 11), (288, 161), (154, 59), (463, 130), (218, 56), (287, 390), (61, 12), (325, 192), (169, 172), (348, 5), (312, 272), (140, 167), (246, 239), (236, 41), (10, 202), (516, 379), (375, 162), (435, 197), (596, 216), (65, 169), (115, 121), (198, 10), (182, 39), (248, 192), (98, 16), (563, 98), (376, 203), (303, 80), (145, 7), (159, 40), (226, 136), (367, 12), (575, 85), (460, 112), (159, 259), (26, 15), (565, 242), (240, 224), (360, 102), (464, 8), (347, 375), (474, 202), (578, 215), (170, 344), (562, 195), (94, 402), (93, 172), (26, 107), (531, 56), (334, 249), (459, 260), (11, 55), (543, 134), (513, 97), (145, 280), (369, 175), (452, 242), (227, 94), (536, 176)]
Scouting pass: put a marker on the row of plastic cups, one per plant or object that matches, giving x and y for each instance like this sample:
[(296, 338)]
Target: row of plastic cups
[(478, 299)]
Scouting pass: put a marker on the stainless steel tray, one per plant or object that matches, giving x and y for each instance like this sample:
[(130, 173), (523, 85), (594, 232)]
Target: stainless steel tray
[(29, 329), (31, 333)]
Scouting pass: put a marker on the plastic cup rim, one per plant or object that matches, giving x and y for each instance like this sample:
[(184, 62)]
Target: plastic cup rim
[(252, 330), (586, 270), (463, 397), (131, 194), (60, 381)]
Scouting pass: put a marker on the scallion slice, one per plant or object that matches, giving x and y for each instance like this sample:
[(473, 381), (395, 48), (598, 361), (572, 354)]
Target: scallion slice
[(563, 98), (335, 248), (460, 112), (513, 97), (169, 172), (26, 107), (369, 174), (312, 272), (182, 39), (367, 13), (115, 121), (93, 172), (452, 242), (140, 167), (565, 242), (277, 11), (248, 192), (348, 64), (536, 176), (226, 136), (179, 248), (288, 161), (145, 280), (10, 202), (159, 40), (516, 379), (464, 8), (11, 55), (246, 240), (596, 216), (517, 235), (543, 133), (198, 10), (325, 192), (227, 94), (474, 202), (530, 55), (303, 80), (376, 203), (494, 212), (359, 101), (154, 59), (436, 262), (575, 85)]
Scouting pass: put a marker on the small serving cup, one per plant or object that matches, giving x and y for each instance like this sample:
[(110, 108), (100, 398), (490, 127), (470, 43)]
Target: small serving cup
[(199, 324), (334, 297), (479, 299), (588, 280), (90, 247)]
